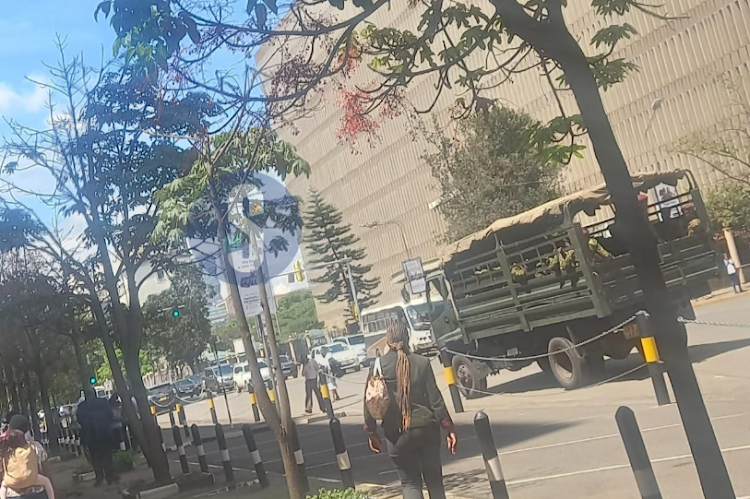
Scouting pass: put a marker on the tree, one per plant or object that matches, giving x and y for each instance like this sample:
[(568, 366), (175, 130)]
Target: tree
[(454, 45), (296, 313), (494, 168), (329, 240), (213, 199), (729, 206), (180, 340), (118, 142)]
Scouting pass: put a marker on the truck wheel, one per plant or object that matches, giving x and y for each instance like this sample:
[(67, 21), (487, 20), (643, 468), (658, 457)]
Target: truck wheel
[(544, 365), (568, 367), (468, 378)]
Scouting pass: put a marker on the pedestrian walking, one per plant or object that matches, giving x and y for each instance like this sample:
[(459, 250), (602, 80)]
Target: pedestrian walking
[(412, 422), (329, 365), (311, 372), (24, 462), (734, 276), (95, 418)]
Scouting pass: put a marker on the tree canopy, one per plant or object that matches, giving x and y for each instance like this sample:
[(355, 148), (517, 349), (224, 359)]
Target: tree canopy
[(493, 168)]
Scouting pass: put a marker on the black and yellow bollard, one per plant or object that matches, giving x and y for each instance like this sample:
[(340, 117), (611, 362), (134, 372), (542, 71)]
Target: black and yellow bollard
[(272, 394), (182, 419), (153, 413), (254, 404), (450, 378), (651, 356), (327, 404), (212, 408)]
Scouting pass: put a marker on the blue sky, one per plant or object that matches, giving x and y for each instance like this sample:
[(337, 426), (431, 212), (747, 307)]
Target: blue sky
[(27, 41)]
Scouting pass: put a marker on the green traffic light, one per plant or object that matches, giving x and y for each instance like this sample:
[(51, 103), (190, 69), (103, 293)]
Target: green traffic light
[(92, 380), (175, 313)]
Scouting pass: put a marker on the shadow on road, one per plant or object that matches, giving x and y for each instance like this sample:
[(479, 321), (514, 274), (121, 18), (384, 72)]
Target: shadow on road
[(541, 381)]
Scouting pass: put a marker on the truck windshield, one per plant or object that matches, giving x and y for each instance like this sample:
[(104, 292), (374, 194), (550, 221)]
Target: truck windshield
[(357, 340), (419, 315)]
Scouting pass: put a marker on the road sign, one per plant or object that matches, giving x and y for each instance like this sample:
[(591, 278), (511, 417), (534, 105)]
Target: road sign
[(415, 276)]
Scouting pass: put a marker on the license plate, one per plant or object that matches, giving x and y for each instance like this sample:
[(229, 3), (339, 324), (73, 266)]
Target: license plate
[(630, 331)]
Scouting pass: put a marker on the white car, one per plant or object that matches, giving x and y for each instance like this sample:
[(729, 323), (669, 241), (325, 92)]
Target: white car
[(243, 378), (357, 343), (342, 353)]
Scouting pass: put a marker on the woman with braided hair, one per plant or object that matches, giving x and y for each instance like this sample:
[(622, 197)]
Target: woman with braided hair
[(416, 413)]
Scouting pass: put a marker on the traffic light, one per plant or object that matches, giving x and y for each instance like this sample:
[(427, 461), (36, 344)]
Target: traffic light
[(92, 380), (298, 274), (355, 312), (175, 312)]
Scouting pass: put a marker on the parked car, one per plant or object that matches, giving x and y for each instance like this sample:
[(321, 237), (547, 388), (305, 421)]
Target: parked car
[(162, 397), (288, 367), (187, 388), (65, 410), (357, 343), (243, 378), (344, 355), (216, 378)]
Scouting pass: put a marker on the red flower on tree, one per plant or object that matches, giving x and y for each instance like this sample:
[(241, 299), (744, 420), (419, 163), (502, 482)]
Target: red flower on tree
[(355, 121)]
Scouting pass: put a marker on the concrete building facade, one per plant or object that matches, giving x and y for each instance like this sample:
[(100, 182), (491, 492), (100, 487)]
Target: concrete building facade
[(678, 91)]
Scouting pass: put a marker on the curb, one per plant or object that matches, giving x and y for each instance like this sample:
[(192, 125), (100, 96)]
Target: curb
[(376, 491), (716, 299), (157, 493)]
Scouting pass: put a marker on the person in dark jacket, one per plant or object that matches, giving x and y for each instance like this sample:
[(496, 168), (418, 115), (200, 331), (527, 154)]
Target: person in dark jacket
[(415, 415), (95, 417)]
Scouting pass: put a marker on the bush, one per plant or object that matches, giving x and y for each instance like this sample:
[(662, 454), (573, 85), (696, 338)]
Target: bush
[(340, 494), (124, 460)]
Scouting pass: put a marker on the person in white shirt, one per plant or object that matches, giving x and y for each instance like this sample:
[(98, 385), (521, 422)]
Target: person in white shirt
[(734, 276)]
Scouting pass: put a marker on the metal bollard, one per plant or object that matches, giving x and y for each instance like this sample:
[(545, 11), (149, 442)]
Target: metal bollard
[(77, 442), (171, 419), (199, 449), (225, 459), (300, 458), (651, 355), (161, 438), (272, 395), (489, 453), (327, 404), (254, 404), (450, 378), (260, 470), (153, 413), (123, 443), (182, 420), (212, 408), (180, 449), (342, 456), (637, 454)]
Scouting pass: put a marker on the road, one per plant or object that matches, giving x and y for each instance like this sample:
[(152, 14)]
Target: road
[(552, 442)]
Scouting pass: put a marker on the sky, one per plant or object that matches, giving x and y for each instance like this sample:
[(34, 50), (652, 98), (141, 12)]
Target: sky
[(28, 31)]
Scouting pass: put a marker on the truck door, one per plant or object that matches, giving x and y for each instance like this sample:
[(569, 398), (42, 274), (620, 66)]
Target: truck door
[(445, 327)]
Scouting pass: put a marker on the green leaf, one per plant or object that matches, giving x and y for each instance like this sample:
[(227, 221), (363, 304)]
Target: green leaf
[(261, 15), (272, 5), (116, 46), (104, 8), (611, 35)]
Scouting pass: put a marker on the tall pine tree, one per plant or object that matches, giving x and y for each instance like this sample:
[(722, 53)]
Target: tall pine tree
[(328, 240)]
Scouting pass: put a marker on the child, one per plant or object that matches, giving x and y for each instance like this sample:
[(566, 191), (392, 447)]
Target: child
[(20, 466)]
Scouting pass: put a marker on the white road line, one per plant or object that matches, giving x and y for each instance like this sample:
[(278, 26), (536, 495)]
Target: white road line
[(614, 467)]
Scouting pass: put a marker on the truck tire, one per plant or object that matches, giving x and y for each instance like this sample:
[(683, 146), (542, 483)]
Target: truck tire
[(569, 367), (544, 365), (468, 377)]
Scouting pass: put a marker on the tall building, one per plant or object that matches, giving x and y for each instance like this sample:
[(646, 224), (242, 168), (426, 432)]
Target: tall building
[(677, 92)]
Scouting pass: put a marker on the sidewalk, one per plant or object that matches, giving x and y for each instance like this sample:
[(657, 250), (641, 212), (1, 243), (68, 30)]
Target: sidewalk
[(719, 295)]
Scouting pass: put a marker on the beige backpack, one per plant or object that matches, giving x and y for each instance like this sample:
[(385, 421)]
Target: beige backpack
[(376, 394), (21, 468)]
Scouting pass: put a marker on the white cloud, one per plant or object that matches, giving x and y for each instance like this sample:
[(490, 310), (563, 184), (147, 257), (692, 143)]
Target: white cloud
[(30, 98)]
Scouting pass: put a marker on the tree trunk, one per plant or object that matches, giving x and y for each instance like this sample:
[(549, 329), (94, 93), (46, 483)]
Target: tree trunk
[(23, 400), (35, 429), (280, 426), (84, 371), (642, 243), (49, 415)]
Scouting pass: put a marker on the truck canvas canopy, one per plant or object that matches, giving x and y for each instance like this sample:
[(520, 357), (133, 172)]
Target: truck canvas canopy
[(557, 212)]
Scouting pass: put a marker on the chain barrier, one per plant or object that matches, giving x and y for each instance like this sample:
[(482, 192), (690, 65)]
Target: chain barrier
[(713, 323), (181, 400), (599, 336)]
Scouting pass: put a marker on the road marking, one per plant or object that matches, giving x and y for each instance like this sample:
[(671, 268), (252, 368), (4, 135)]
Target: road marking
[(614, 467)]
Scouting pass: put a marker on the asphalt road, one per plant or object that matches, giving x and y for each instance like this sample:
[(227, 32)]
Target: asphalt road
[(552, 443)]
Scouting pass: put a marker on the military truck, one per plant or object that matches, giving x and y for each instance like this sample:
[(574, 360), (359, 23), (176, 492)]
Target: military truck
[(541, 283)]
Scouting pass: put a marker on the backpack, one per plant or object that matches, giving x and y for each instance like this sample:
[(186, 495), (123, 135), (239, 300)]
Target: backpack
[(21, 468), (376, 394)]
